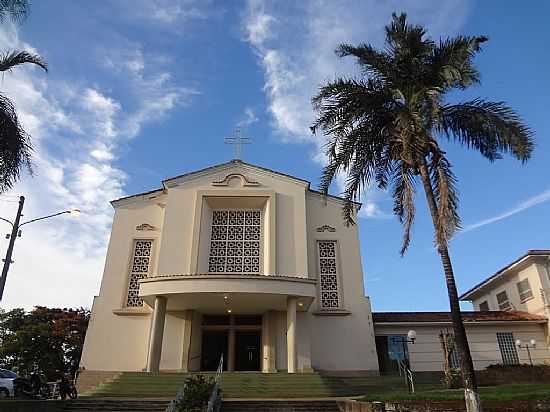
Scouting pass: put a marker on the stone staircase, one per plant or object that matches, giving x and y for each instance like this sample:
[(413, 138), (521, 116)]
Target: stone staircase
[(119, 405), (280, 406), (138, 385), (116, 405)]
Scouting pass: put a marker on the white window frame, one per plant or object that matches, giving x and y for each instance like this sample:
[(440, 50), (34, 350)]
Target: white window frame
[(485, 302), (505, 304), (527, 294)]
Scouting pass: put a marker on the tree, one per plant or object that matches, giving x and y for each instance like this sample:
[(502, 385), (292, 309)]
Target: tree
[(384, 128), (49, 339), (15, 143)]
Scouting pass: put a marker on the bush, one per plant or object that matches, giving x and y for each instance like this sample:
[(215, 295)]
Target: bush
[(196, 394), (453, 380)]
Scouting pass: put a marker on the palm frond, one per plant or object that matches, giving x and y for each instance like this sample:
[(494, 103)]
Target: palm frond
[(492, 128), (10, 59), (375, 64), (15, 10), (452, 63), (15, 146), (446, 195), (403, 200)]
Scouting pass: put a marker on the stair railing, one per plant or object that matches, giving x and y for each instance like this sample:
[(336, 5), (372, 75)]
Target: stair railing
[(215, 401), (405, 370)]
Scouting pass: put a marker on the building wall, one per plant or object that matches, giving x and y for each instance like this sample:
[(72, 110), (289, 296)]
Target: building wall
[(426, 353), (535, 272), (115, 341), (118, 337), (345, 342)]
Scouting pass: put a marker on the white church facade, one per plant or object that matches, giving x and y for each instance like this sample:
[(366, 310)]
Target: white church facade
[(236, 260)]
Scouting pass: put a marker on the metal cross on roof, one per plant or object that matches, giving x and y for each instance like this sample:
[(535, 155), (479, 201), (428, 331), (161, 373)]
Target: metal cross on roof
[(237, 140)]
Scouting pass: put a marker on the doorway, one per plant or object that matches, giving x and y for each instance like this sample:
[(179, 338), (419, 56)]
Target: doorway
[(214, 344), (391, 351), (247, 350)]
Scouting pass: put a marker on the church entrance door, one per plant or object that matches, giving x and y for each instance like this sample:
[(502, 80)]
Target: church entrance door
[(214, 343), (247, 350)]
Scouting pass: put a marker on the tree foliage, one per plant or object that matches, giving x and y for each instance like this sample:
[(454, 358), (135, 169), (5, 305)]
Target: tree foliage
[(385, 125), (49, 339), (15, 143)]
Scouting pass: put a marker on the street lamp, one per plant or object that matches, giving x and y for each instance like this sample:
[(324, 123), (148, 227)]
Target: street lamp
[(532, 344), (404, 340), (16, 232)]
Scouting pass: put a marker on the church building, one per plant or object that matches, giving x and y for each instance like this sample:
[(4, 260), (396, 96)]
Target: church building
[(234, 260)]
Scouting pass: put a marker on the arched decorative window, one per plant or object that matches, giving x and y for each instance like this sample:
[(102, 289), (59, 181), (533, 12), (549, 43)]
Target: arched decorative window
[(139, 269)]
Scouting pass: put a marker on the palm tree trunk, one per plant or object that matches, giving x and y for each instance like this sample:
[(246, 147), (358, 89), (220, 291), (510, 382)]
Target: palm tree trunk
[(471, 395)]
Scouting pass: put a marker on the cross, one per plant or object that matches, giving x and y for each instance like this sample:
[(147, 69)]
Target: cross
[(237, 140)]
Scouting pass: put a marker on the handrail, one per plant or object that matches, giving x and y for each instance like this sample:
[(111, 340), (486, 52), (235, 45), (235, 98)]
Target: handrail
[(214, 403), (407, 373)]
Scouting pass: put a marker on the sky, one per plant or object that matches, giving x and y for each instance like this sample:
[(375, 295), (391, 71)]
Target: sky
[(138, 91)]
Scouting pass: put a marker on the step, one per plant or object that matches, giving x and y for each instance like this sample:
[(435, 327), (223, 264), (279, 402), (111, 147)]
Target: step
[(112, 405), (280, 406)]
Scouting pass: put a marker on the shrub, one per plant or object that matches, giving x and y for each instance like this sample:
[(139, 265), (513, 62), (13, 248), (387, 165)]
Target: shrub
[(196, 394)]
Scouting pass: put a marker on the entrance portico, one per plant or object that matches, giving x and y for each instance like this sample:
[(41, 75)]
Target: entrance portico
[(239, 316)]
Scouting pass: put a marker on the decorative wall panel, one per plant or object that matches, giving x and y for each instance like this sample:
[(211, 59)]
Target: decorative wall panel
[(139, 269), (235, 242), (328, 275)]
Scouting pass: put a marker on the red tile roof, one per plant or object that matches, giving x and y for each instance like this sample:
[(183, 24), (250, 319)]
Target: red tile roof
[(418, 317)]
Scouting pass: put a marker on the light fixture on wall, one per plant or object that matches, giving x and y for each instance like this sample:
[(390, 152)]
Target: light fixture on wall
[(532, 344), (228, 310)]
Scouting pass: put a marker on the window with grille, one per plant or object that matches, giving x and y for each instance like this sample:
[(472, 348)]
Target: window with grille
[(328, 275), (139, 269), (235, 241), (484, 306), (524, 290), (507, 346), (503, 302)]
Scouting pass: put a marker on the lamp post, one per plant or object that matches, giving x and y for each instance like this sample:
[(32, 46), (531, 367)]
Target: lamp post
[(410, 338), (16, 232), (532, 344)]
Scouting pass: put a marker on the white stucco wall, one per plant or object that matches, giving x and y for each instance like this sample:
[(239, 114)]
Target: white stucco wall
[(118, 337), (426, 353)]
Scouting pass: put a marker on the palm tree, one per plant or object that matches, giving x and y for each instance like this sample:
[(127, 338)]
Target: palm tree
[(384, 128), (15, 144)]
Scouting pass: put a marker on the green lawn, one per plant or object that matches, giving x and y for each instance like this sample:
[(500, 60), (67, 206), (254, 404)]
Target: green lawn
[(489, 393)]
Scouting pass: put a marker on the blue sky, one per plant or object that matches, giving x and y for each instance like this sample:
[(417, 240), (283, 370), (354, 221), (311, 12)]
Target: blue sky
[(143, 90)]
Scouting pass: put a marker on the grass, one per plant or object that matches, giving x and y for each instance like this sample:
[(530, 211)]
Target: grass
[(510, 392)]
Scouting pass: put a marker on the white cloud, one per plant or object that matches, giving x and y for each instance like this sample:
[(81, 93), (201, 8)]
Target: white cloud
[(520, 207), (295, 47), (77, 131), (249, 117), (169, 12)]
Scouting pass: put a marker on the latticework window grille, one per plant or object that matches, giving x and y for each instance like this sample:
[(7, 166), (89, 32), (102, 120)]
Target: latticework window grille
[(328, 275), (507, 347), (235, 241), (139, 269)]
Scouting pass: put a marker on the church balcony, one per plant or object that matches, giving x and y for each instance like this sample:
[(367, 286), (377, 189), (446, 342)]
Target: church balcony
[(231, 293)]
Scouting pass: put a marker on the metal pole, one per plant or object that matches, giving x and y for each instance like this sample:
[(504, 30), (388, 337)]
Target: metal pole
[(529, 354), (9, 252)]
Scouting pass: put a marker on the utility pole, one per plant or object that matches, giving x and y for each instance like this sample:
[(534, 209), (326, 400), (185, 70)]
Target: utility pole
[(9, 252)]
